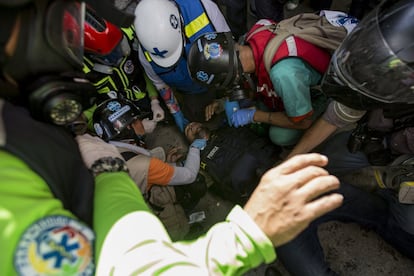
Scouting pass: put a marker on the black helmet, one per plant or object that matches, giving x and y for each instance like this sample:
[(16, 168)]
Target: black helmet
[(374, 66), (112, 117), (212, 60)]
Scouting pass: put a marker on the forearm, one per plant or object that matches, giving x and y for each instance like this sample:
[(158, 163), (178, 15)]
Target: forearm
[(167, 94), (314, 136), (279, 119), (336, 116), (151, 90), (188, 173), (229, 248), (115, 196)]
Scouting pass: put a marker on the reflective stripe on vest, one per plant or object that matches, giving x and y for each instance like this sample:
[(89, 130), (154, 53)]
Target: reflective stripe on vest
[(196, 25), (117, 79), (196, 22)]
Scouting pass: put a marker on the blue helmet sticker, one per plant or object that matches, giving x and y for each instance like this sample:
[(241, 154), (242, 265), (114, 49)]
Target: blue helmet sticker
[(202, 76), (113, 106), (210, 36)]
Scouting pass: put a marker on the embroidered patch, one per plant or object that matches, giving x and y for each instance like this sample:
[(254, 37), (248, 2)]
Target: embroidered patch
[(202, 76), (55, 245)]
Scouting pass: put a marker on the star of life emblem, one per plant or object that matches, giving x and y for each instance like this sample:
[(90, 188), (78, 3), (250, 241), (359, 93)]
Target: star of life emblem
[(55, 245)]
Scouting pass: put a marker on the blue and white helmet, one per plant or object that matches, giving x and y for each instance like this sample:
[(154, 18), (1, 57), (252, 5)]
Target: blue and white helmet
[(158, 25)]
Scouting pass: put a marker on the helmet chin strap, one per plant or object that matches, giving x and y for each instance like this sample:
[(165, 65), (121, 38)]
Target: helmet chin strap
[(140, 140)]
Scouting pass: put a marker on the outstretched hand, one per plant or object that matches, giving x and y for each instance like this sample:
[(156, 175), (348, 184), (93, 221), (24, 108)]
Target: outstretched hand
[(289, 197)]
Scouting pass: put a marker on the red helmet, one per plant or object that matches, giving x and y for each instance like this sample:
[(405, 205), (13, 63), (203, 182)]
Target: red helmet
[(102, 38)]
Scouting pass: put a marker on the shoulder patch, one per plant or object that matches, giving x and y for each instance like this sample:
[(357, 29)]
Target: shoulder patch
[(55, 245)]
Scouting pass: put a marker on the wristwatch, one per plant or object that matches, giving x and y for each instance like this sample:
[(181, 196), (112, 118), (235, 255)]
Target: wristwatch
[(108, 164)]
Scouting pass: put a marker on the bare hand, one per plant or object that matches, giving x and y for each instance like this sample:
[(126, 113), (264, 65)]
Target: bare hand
[(212, 109), (174, 154), (288, 198)]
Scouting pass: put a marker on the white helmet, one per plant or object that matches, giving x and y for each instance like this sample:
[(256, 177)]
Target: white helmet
[(158, 27)]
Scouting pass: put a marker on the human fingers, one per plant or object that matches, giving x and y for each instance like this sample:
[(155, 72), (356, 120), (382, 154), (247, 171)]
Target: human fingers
[(318, 207), (210, 110), (301, 161), (318, 186), (172, 150)]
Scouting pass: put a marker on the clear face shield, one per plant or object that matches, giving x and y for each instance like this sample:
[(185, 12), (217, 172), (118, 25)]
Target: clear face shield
[(50, 39), (48, 57), (373, 59)]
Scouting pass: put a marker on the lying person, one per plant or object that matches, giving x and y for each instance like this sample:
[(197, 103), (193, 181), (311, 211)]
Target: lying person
[(163, 184)]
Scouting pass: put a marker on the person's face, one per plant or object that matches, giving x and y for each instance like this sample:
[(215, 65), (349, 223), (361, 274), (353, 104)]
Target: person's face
[(195, 130)]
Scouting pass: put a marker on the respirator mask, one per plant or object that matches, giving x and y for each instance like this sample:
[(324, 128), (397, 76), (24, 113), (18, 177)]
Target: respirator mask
[(47, 60)]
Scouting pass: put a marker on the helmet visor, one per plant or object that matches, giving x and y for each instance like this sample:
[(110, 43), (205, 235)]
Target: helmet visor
[(115, 57), (64, 29), (366, 62)]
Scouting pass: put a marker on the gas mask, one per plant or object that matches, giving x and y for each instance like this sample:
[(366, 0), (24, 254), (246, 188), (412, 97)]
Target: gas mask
[(213, 61), (48, 58), (46, 61)]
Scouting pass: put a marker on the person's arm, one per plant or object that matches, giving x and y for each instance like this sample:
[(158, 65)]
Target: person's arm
[(314, 136), (243, 241), (162, 173), (29, 206), (280, 119), (158, 112), (286, 200), (165, 91), (155, 79), (291, 79), (335, 117)]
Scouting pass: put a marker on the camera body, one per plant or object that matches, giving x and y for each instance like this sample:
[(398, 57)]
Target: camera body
[(371, 142)]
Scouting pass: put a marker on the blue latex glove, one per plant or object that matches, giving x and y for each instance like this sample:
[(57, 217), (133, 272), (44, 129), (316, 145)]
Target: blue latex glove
[(199, 144), (242, 117), (230, 108), (180, 120)]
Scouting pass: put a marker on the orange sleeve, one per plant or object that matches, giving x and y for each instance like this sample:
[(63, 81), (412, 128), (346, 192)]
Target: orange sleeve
[(300, 118), (159, 172)]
